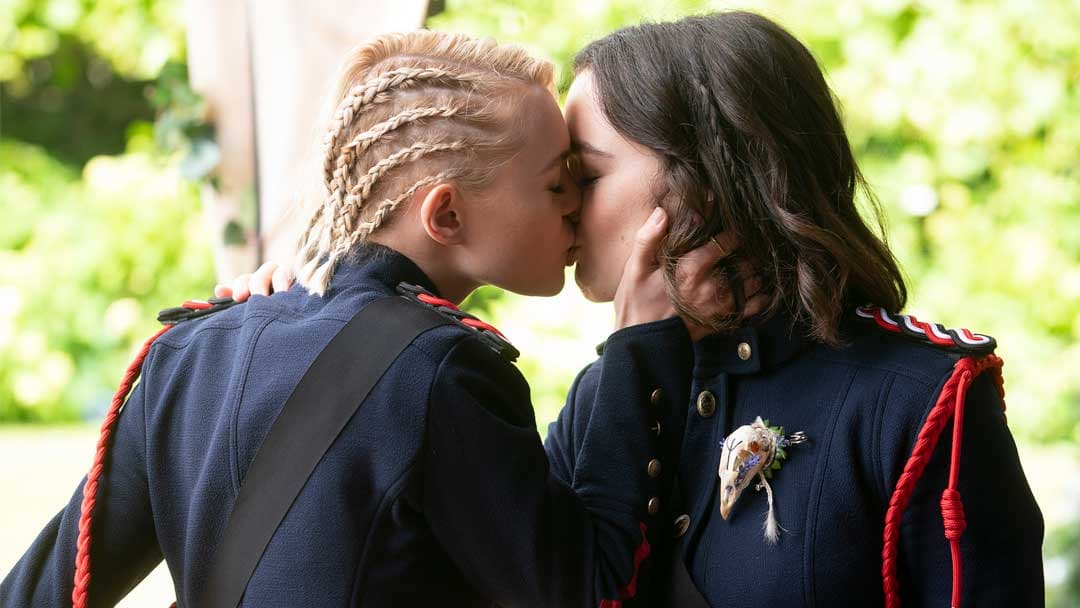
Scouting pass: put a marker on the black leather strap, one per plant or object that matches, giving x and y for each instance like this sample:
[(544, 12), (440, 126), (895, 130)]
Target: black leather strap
[(327, 397)]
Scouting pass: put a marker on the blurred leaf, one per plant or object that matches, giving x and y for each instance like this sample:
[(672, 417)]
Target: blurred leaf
[(201, 160), (83, 265)]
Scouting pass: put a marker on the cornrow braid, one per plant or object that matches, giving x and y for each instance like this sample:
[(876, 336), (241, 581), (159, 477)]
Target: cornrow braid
[(460, 89), (368, 93), (354, 201), (340, 228), (414, 152), (387, 207), (366, 139), (323, 271)]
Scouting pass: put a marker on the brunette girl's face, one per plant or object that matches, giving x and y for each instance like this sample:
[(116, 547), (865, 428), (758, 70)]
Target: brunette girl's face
[(618, 180)]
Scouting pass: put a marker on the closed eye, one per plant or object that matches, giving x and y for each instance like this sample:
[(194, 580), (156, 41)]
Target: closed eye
[(585, 182)]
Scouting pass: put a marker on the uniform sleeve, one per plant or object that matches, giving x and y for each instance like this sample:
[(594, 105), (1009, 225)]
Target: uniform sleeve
[(560, 444), (124, 547), (520, 534), (1002, 544)]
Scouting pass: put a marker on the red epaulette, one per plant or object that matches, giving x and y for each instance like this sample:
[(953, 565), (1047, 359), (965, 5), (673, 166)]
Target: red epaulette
[(978, 358), (486, 332)]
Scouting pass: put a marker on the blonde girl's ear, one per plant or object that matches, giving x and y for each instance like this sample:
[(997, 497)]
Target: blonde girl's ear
[(442, 213)]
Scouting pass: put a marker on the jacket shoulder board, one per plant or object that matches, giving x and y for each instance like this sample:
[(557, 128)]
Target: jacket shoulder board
[(193, 309), (487, 332), (961, 340)]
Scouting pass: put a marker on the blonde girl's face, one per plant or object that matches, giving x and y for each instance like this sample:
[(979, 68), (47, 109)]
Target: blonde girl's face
[(526, 216)]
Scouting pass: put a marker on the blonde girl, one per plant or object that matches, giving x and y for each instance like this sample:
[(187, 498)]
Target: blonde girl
[(444, 169)]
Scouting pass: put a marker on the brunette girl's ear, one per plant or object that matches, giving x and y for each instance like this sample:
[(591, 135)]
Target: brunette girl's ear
[(441, 214)]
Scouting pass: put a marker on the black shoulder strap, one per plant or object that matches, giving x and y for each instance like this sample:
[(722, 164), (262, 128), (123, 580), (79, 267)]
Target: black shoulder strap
[(328, 395)]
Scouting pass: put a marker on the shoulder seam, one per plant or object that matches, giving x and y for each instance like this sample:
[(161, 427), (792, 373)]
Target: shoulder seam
[(453, 344), (920, 422), (234, 415), (883, 491), (163, 341)]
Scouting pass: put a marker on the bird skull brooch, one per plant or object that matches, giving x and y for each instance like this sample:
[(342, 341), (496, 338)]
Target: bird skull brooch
[(753, 451)]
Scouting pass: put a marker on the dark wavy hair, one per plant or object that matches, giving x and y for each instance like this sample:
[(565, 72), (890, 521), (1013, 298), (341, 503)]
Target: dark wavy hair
[(752, 143)]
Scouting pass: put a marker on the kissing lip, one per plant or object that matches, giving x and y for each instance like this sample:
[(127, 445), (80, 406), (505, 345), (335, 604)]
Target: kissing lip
[(572, 255)]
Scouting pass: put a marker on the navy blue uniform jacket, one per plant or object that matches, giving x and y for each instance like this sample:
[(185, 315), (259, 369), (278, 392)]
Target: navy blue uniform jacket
[(438, 492), (861, 406)]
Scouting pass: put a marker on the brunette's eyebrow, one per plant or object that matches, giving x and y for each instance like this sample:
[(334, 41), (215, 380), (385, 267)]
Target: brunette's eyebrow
[(579, 147), (561, 158)]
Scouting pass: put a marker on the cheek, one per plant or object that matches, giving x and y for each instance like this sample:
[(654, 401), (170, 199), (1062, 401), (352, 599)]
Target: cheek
[(537, 230), (610, 217), (600, 217)]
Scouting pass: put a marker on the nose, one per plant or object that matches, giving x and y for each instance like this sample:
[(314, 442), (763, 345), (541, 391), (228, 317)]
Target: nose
[(571, 196), (572, 211)]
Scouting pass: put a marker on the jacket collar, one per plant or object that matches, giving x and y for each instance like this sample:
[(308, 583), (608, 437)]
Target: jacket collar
[(751, 349), (373, 263)]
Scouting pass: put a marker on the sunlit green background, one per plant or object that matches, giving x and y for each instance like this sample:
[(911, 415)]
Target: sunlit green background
[(965, 117)]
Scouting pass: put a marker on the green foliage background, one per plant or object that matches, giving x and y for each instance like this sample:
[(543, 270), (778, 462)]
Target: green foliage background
[(965, 116)]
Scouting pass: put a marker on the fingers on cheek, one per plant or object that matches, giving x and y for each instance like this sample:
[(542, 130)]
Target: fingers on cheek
[(691, 269), (722, 302), (756, 305), (726, 241), (754, 285)]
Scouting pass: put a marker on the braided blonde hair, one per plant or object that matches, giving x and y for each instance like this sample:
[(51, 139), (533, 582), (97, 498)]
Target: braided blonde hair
[(414, 109)]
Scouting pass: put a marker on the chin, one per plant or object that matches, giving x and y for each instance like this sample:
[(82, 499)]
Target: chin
[(554, 290), (590, 289), (545, 289)]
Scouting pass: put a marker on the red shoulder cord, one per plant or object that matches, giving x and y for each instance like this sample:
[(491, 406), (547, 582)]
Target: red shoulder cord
[(950, 405), (82, 555)]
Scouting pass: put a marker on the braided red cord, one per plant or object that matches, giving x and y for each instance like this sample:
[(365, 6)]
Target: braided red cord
[(950, 405), (82, 557)]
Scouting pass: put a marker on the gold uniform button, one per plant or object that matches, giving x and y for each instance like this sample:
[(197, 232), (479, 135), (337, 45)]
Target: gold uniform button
[(745, 351), (681, 525), (654, 505), (655, 428), (656, 396), (654, 468), (706, 404)]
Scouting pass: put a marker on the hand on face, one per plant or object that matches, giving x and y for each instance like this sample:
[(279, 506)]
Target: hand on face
[(706, 293), (642, 295)]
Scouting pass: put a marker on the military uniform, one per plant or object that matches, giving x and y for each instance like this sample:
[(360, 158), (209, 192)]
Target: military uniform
[(437, 492), (861, 407)]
